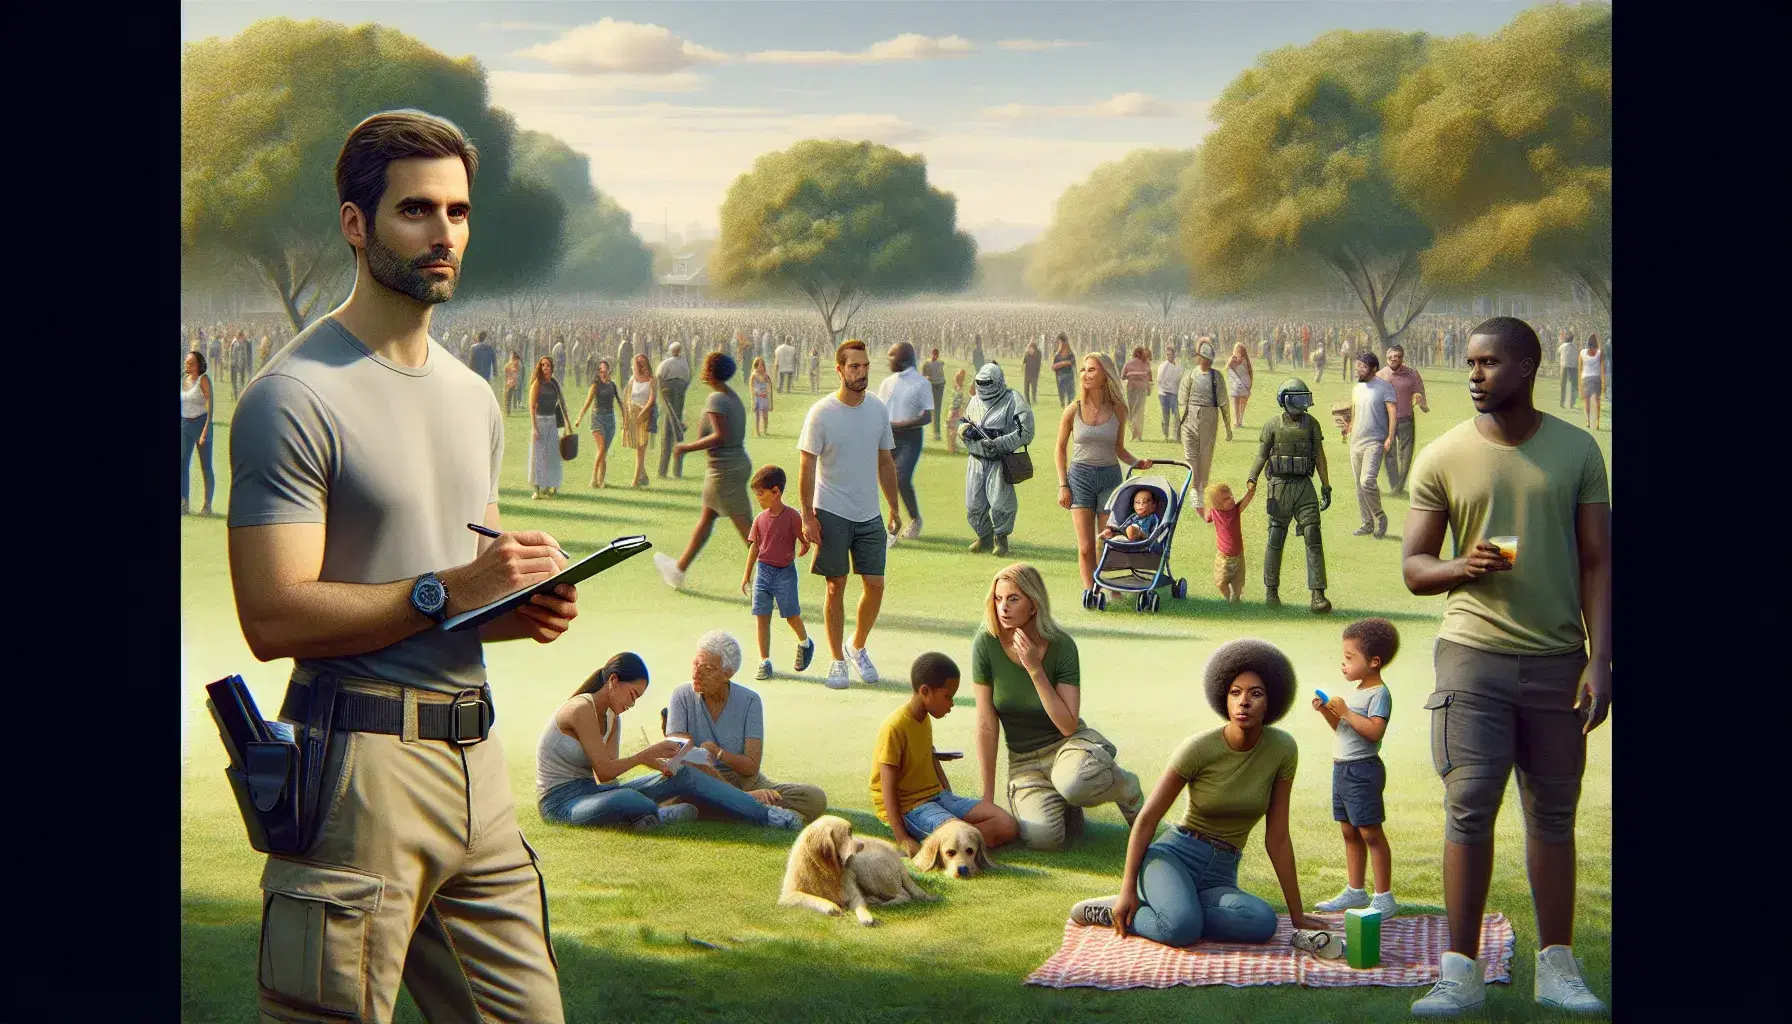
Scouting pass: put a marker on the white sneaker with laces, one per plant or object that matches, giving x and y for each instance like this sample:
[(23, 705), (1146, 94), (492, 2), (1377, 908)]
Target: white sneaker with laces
[(1099, 912), (1383, 904), (913, 529), (678, 812), (765, 670), (784, 817), (1559, 983), (1349, 899), (669, 570), (862, 662), (837, 678), (1460, 988)]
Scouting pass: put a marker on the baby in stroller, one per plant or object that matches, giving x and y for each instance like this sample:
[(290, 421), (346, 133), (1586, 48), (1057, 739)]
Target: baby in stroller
[(1143, 520)]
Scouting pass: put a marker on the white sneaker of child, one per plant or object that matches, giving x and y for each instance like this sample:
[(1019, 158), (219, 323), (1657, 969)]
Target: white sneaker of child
[(1349, 899)]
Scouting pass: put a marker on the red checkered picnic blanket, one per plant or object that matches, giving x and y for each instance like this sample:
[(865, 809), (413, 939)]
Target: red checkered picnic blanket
[(1094, 957)]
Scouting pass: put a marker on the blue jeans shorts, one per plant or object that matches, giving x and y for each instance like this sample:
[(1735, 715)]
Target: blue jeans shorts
[(1356, 791), (928, 816), (1090, 486), (775, 582)]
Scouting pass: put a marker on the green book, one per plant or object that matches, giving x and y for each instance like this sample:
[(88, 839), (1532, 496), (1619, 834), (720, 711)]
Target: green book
[(1362, 938)]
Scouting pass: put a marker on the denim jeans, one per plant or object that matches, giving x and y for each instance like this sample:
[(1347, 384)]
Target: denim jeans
[(189, 440), (589, 802), (907, 455), (1189, 891)]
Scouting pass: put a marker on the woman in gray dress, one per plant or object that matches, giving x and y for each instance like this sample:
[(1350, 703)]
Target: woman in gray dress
[(725, 485), (546, 415)]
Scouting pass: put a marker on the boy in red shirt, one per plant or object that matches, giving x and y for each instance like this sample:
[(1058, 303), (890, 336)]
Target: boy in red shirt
[(1227, 516), (772, 551)]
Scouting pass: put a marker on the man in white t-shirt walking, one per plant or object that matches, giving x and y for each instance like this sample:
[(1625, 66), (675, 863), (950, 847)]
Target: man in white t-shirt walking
[(909, 399), (1169, 379), (1568, 363), (1373, 403), (846, 447), (785, 357)]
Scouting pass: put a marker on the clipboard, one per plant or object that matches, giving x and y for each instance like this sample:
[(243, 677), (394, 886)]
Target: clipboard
[(618, 550)]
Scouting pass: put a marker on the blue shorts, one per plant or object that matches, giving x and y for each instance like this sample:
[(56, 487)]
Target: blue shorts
[(1090, 486), (775, 582), (1356, 791), (928, 816)]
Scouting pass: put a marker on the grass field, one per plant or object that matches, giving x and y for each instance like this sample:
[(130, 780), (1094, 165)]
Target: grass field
[(624, 907)]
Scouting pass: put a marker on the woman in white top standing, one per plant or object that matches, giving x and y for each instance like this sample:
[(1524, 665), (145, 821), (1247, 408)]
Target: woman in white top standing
[(1592, 379), (1238, 382), (577, 762), (637, 407), (196, 429)]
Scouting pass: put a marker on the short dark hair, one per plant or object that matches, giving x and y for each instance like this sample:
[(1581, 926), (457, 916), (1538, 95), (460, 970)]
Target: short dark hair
[(1514, 335), (373, 144), (1397, 347), (1260, 656), (718, 367), (904, 353), (767, 478), (196, 354), (931, 669), (1367, 358), (1376, 638)]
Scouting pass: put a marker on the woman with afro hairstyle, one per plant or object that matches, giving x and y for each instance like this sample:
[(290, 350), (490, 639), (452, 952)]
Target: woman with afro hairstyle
[(1184, 888)]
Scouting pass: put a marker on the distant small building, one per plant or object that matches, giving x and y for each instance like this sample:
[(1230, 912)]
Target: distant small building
[(686, 285)]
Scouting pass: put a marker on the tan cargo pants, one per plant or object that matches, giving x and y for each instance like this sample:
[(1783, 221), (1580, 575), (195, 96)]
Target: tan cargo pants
[(1048, 787), (419, 874), (808, 801), (1200, 429)]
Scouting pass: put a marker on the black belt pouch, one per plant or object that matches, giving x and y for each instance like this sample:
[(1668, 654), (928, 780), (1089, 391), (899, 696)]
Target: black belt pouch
[(277, 783)]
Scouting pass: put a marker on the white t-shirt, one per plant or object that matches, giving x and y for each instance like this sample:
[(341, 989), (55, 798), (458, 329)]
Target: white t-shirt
[(785, 357), (1590, 363), (906, 395), (1169, 377), (845, 440)]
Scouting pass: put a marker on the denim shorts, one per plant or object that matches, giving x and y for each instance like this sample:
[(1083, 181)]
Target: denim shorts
[(776, 582), (925, 817), (1356, 791), (603, 424), (1090, 486)]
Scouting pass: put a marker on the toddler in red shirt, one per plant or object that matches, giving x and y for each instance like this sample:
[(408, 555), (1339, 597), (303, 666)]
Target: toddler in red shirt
[(1227, 516)]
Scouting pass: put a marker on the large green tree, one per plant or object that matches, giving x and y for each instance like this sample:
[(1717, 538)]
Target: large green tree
[(1290, 184), (1116, 233), (602, 253), (263, 116), (839, 222), (1504, 144)]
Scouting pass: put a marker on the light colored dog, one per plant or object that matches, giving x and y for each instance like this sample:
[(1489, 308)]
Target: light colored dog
[(830, 869), (955, 848)]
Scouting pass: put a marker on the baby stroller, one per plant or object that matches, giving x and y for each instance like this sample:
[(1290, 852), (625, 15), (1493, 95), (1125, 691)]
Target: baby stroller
[(1140, 567)]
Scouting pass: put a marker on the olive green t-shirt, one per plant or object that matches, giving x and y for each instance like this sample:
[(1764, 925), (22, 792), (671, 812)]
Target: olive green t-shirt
[(1229, 790), (1025, 724), (1533, 492)]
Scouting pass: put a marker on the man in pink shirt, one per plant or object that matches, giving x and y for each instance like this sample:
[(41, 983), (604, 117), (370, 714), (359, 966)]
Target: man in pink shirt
[(1407, 385)]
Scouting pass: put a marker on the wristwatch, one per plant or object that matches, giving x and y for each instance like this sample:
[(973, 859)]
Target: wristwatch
[(429, 595)]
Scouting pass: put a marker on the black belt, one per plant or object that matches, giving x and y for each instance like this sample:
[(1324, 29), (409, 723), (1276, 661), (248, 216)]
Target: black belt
[(1218, 844), (466, 721)]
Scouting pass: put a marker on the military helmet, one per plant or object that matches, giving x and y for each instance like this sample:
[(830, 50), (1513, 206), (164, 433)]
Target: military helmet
[(1294, 395)]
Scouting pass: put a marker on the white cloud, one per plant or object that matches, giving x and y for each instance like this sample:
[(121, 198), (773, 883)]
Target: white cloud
[(610, 46), (1126, 104), (905, 47), (1036, 44)]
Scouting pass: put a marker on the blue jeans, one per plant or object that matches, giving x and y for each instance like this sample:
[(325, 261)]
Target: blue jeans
[(1189, 891), (589, 802), (930, 814), (907, 455), (189, 439)]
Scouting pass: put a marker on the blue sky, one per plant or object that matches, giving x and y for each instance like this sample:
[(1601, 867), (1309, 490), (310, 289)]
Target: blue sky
[(1010, 102)]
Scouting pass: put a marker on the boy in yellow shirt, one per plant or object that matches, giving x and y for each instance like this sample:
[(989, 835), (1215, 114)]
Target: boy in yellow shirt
[(909, 790)]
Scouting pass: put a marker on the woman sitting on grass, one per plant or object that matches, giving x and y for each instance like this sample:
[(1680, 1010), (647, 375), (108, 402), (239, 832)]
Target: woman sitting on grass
[(1184, 887), (577, 761)]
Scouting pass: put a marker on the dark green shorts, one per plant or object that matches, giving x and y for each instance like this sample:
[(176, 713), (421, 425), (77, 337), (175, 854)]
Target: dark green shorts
[(866, 543)]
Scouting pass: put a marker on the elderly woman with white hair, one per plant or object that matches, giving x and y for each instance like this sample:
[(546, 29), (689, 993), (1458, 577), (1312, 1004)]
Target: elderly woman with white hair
[(727, 720)]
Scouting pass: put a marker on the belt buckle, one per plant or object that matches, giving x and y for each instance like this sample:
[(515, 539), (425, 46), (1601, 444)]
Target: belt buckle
[(469, 719)]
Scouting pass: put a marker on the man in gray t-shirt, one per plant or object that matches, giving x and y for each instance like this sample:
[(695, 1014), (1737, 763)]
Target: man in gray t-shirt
[(1371, 435)]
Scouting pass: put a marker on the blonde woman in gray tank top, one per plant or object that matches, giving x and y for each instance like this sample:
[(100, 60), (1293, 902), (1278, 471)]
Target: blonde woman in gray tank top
[(1091, 449)]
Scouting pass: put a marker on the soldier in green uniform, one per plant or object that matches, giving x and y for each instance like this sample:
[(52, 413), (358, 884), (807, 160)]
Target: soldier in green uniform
[(1293, 447)]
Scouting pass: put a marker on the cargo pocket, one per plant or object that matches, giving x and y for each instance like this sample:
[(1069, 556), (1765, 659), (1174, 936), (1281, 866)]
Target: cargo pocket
[(547, 934), (314, 927), (1439, 706)]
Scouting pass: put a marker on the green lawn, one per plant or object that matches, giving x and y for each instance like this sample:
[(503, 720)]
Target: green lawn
[(624, 906)]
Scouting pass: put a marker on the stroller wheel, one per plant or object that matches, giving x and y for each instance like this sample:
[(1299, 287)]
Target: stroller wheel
[(1139, 604), (1088, 599), (1180, 590), (1101, 600), (1156, 601)]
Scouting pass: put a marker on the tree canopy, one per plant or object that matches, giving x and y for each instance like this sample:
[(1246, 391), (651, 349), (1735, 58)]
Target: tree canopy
[(1116, 233), (263, 116), (1291, 182), (602, 253), (839, 222), (1504, 144)]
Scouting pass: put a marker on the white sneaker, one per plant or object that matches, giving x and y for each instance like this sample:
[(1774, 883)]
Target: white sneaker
[(862, 662), (669, 570), (1559, 984), (765, 670), (837, 679), (892, 539), (1099, 911), (1460, 987), (1323, 944), (1349, 899), (784, 817), (1383, 904), (913, 529), (678, 812)]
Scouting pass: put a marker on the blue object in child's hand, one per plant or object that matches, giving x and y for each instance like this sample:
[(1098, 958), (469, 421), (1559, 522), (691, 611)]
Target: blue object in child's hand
[(1323, 699)]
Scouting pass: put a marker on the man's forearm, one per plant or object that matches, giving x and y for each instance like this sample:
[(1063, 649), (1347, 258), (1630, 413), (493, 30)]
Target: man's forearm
[(333, 620), (1596, 609), (886, 479), (806, 483), (1427, 575)]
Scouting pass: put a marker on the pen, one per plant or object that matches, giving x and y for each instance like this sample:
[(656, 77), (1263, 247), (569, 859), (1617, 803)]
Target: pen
[(486, 531)]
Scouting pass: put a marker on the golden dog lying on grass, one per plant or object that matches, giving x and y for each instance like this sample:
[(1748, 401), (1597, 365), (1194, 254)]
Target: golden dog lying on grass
[(830, 869)]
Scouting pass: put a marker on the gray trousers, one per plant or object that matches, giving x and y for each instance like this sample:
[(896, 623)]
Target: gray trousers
[(672, 425), (1365, 467), (1399, 461), (989, 499)]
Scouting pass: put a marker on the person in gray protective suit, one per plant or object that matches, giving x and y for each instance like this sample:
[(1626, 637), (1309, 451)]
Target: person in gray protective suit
[(997, 422)]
